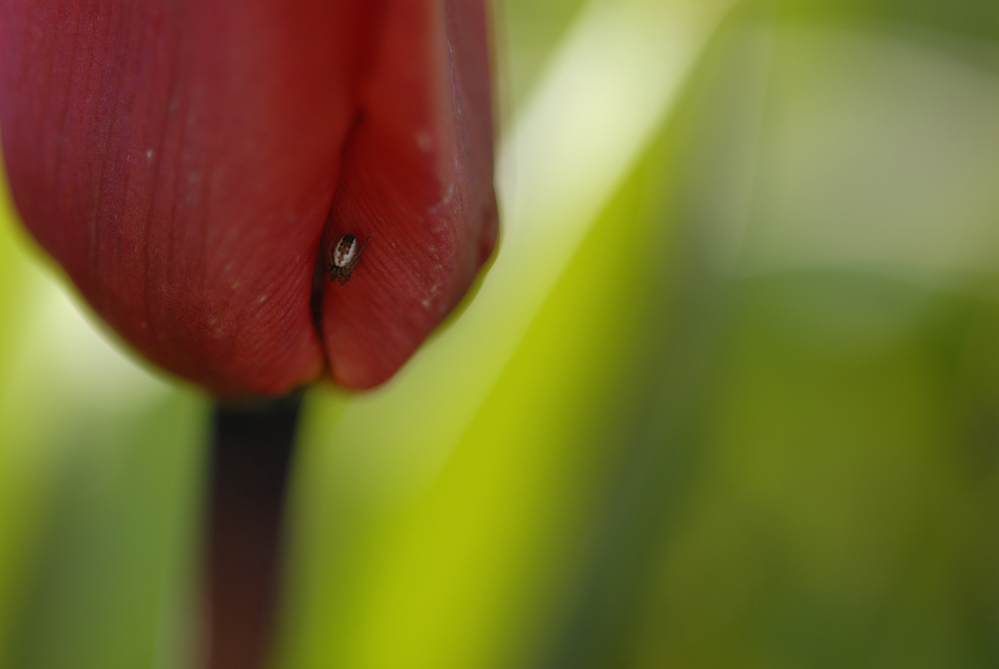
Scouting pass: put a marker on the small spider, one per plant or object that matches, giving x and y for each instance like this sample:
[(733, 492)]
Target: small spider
[(344, 256)]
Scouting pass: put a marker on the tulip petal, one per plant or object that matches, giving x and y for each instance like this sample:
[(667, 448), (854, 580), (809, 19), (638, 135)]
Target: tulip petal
[(416, 184), (178, 159)]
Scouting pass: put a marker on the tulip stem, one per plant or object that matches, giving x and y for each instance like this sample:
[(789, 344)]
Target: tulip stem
[(251, 451)]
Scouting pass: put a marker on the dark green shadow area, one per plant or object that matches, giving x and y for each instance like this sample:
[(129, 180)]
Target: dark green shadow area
[(111, 577)]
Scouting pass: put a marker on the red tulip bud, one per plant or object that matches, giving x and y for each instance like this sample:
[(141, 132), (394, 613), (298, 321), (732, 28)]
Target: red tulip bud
[(191, 165)]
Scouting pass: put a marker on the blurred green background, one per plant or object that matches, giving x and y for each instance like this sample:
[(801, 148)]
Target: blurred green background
[(728, 396)]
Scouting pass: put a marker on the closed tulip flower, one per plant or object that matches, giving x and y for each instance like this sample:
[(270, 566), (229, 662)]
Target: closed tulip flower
[(255, 193)]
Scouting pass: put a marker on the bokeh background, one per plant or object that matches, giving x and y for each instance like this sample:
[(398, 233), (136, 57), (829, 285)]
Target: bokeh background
[(727, 397)]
